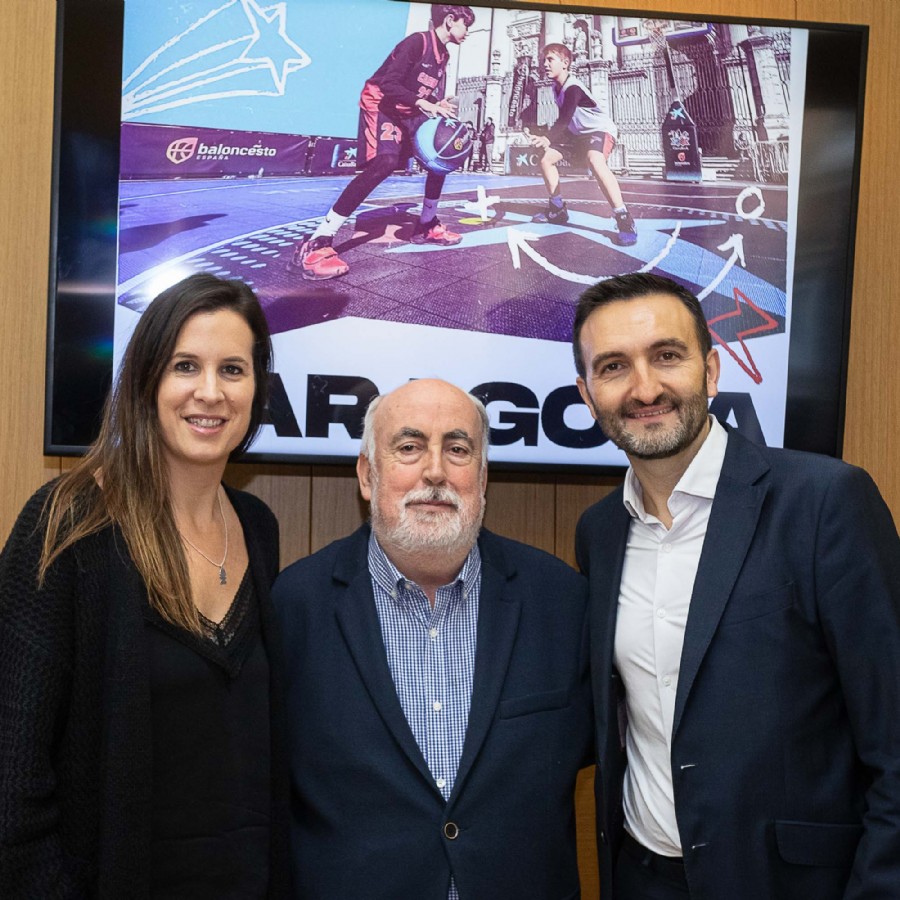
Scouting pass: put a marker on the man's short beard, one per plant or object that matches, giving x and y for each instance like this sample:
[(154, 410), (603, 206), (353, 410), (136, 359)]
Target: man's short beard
[(450, 531), (659, 442)]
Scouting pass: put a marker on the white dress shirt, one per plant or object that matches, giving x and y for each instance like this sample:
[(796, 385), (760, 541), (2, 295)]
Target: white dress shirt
[(654, 599)]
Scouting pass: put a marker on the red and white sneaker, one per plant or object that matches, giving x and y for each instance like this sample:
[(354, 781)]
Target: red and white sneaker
[(315, 259), (434, 233)]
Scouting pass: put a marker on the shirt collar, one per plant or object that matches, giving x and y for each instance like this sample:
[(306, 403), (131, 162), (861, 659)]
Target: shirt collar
[(393, 581), (699, 479)]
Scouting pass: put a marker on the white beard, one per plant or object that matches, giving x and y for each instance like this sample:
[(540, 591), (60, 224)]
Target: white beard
[(451, 530)]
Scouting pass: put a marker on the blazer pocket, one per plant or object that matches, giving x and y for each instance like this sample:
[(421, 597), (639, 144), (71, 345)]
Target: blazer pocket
[(817, 843), (745, 607), (533, 703)]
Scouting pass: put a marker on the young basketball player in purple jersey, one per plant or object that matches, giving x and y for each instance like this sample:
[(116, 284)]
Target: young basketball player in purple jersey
[(407, 88), (582, 131)]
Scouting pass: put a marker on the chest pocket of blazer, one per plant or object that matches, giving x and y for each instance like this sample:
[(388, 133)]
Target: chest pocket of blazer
[(533, 703), (745, 607)]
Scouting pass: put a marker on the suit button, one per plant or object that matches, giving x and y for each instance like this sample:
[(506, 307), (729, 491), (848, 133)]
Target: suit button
[(451, 831), (602, 837)]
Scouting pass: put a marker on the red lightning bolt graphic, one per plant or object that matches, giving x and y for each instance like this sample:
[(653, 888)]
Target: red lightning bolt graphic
[(768, 324)]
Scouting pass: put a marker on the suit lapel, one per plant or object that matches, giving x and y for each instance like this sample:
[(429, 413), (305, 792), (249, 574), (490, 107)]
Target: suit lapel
[(498, 621), (732, 524), (358, 621), (605, 573)]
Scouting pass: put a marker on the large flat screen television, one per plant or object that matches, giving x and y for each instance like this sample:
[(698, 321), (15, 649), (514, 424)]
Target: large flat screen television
[(214, 135)]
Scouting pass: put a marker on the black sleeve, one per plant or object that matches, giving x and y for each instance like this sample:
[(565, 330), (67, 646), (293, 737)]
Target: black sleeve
[(857, 565), (36, 640), (394, 74)]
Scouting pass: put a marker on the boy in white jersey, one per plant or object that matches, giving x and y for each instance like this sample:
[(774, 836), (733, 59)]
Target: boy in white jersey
[(582, 130)]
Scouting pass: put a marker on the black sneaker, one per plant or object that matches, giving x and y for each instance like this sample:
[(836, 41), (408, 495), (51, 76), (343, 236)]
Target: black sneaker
[(555, 215), (627, 235), (316, 260)]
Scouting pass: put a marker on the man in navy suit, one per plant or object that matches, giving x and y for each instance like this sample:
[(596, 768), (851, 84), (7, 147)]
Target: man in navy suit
[(745, 634), (438, 697)]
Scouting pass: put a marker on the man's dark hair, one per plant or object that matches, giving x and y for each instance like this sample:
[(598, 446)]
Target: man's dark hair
[(630, 287), (442, 10)]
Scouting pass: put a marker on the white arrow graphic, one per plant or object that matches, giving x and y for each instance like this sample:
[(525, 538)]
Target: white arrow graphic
[(736, 245), (518, 243), (670, 243)]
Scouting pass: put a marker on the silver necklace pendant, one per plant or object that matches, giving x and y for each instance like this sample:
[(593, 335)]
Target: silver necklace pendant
[(223, 578)]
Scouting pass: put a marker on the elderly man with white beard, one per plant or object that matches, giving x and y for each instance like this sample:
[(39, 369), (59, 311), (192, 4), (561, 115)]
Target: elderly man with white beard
[(437, 692)]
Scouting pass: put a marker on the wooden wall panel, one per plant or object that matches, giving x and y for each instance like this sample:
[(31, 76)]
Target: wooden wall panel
[(872, 432), (26, 113), (287, 491), (522, 509), (573, 497), (586, 830), (337, 507)]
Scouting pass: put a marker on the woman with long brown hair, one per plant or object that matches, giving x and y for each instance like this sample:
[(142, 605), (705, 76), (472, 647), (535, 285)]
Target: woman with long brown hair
[(140, 722)]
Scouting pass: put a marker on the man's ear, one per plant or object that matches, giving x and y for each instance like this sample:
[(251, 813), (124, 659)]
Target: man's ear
[(364, 474), (585, 396), (713, 370)]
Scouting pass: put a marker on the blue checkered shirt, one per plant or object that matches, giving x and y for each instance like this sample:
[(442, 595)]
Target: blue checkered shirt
[(431, 655)]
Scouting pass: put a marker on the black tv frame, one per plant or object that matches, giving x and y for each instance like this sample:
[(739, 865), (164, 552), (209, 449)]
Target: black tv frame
[(82, 288)]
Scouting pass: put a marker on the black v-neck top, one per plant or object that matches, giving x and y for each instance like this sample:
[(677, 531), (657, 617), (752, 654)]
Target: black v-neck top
[(211, 756)]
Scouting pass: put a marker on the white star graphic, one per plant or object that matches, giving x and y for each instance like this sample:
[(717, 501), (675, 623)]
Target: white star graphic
[(270, 45), (213, 58)]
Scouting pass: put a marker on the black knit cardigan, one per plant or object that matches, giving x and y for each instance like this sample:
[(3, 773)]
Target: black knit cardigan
[(75, 742)]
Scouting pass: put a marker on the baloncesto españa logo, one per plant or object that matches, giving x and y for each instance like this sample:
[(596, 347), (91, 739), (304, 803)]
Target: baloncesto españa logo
[(183, 149)]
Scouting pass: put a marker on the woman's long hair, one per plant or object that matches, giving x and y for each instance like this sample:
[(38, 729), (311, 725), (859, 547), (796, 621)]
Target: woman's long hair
[(127, 456)]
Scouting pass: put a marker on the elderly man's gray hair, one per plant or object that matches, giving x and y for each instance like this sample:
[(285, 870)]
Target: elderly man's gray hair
[(367, 446)]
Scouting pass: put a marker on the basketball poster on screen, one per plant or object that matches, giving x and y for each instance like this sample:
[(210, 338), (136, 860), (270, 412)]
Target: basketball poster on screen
[(245, 125)]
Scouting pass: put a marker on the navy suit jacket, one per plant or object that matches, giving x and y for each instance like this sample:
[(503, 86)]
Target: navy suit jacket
[(786, 737), (368, 820)]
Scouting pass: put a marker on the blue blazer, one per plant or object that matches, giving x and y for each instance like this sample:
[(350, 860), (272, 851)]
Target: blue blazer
[(368, 820), (786, 737)]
